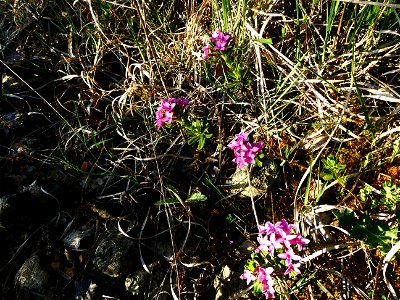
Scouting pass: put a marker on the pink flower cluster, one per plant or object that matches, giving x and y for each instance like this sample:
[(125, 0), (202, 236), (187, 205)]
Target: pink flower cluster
[(217, 42), (244, 151), (165, 112), (264, 276), (278, 238)]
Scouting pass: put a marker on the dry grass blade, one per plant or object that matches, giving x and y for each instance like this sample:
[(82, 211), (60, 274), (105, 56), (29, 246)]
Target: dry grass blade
[(389, 256), (362, 2)]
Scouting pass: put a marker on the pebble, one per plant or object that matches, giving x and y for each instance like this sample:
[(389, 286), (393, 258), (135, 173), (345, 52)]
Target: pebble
[(113, 255), (31, 277)]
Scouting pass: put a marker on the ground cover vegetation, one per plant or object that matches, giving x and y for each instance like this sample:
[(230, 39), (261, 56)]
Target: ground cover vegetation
[(125, 126)]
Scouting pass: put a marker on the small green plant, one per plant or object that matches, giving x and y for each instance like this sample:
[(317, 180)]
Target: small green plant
[(175, 198), (375, 234), (198, 132), (391, 193), (333, 170), (390, 199), (396, 150), (365, 193), (259, 159), (172, 110)]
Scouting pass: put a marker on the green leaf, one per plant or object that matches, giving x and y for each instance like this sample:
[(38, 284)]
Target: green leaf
[(328, 177), (193, 140), (345, 217), (342, 181), (264, 41), (197, 124), (374, 234), (201, 143), (197, 197), (167, 201), (230, 218), (251, 265), (257, 288)]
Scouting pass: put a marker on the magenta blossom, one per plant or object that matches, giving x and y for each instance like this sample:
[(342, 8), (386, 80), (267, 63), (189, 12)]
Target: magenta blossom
[(206, 51), (264, 276), (244, 151), (288, 256), (294, 268), (247, 275), (267, 229), (284, 226), (216, 43), (167, 109), (220, 39), (299, 241), (275, 242), (268, 244), (164, 113)]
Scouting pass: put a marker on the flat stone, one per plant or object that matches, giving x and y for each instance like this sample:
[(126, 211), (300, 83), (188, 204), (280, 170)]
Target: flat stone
[(113, 256), (140, 280), (31, 277), (260, 179), (74, 238)]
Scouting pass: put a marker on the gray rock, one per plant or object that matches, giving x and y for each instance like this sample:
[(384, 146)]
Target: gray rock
[(222, 289), (113, 255), (91, 293), (260, 179), (73, 239), (136, 282), (228, 285), (246, 248), (31, 277)]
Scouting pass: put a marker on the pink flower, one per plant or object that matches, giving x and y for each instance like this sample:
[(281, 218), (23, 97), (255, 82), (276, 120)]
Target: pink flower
[(280, 235), (218, 40), (288, 256), (285, 239), (240, 159), (268, 244), (206, 49), (244, 151), (247, 275), (165, 112), (294, 268), (284, 226), (267, 229), (270, 293), (299, 241), (264, 276), (238, 142)]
